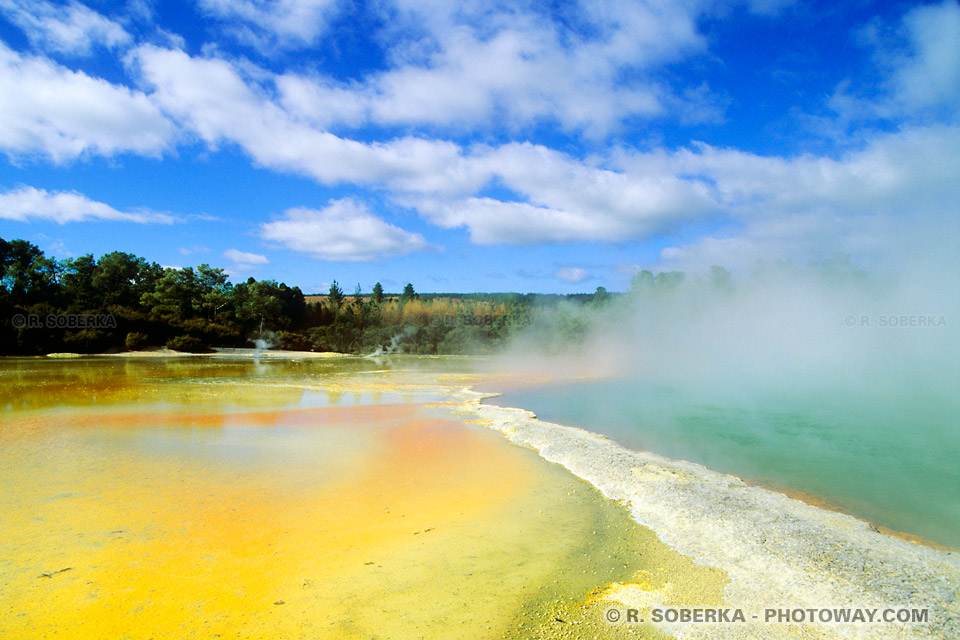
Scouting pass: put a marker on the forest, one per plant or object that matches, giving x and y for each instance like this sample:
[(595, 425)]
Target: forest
[(122, 302)]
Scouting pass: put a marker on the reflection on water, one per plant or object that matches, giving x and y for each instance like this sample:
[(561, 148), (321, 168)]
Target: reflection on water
[(207, 498), (35, 383)]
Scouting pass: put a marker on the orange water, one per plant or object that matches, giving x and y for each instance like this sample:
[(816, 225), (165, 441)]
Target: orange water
[(205, 519)]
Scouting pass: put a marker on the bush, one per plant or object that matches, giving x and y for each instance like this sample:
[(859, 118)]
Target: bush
[(86, 340), (135, 340), (186, 343), (293, 341)]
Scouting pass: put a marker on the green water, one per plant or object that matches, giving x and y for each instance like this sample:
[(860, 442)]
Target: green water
[(890, 459)]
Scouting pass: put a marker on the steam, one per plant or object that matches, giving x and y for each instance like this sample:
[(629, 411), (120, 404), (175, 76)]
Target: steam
[(266, 340), (395, 344), (828, 378), (828, 326)]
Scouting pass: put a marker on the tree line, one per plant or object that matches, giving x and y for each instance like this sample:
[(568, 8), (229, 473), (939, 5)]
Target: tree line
[(199, 308)]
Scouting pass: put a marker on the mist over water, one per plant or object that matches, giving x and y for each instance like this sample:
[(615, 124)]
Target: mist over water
[(825, 379)]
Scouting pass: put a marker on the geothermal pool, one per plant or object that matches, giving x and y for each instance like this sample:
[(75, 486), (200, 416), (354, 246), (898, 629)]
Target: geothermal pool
[(889, 458), (341, 498), (315, 498)]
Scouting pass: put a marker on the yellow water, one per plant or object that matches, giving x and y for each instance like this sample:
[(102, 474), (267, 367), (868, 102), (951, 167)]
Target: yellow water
[(189, 515)]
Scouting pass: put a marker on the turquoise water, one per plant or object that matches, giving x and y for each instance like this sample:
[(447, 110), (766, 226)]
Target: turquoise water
[(893, 460)]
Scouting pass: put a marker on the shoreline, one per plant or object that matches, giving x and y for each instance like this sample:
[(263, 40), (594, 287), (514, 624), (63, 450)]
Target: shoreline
[(812, 499), (222, 352), (779, 550), (231, 352), (820, 502)]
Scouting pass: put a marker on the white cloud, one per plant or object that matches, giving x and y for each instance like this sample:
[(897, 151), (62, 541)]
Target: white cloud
[(71, 28), (266, 23), (470, 66), (561, 199), (244, 258), (911, 170), (884, 200), (556, 197), (26, 204), (343, 231), (919, 66), (493, 221), (930, 75), (324, 102), (48, 109), (587, 66), (565, 200), (572, 275), (210, 98)]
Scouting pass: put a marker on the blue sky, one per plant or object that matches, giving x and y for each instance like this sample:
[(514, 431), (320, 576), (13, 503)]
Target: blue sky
[(489, 146)]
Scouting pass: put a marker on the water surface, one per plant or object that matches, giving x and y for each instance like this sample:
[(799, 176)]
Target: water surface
[(201, 498), (890, 459)]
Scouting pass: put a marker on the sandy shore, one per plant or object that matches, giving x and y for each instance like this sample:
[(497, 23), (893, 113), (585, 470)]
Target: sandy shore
[(779, 552)]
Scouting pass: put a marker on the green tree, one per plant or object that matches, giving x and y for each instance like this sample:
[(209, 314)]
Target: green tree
[(294, 304), (257, 302), (601, 296), (408, 293), (663, 281), (121, 278), (172, 298), (26, 275), (214, 292), (357, 296), (77, 281), (335, 296), (378, 293)]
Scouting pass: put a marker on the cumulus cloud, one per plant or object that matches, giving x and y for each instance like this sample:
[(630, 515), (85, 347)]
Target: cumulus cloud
[(472, 66), (558, 198), (244, 258), (210, 97), (27, 204), (567, 200), (48, 109), (905, 171), (71, 28), (865, 203), (345, 230), (476, 63), (266, 23), (930, 74), (587, 67), (492, 221), (918, 62)]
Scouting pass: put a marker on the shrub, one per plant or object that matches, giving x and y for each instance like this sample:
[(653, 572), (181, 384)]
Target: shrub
[(135, 340), (186, 343)]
